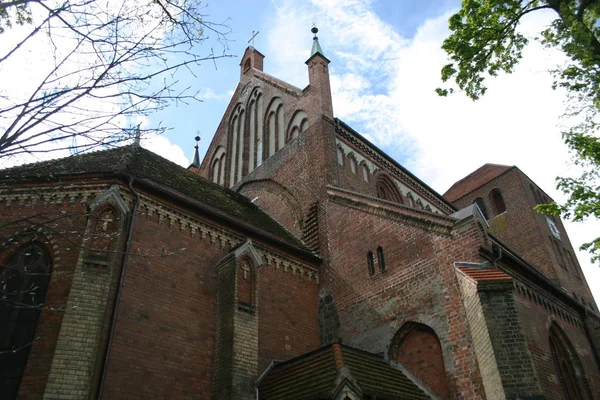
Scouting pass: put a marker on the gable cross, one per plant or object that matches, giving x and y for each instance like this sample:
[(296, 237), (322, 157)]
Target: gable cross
[(252, 38)]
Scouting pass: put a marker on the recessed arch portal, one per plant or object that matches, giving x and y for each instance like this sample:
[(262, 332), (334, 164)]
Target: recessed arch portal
[(568, 367), (418, 349)]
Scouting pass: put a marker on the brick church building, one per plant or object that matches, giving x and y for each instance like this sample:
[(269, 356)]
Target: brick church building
[(296, 261)]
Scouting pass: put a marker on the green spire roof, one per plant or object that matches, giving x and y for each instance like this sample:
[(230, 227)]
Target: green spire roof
[(316, 47)]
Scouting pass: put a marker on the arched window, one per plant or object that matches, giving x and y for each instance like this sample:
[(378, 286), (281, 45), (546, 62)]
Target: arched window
[(255, 127), (218, 166), (418, 349), (497, 201), (274, 125), (481, 204), (386, 189), (24, 280), (298, 124), (370, 263), (247, 65), (568, 368), (381, 258), (236, 128)]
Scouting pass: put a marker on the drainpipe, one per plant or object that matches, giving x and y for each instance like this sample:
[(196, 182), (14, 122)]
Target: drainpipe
[(119, 288)]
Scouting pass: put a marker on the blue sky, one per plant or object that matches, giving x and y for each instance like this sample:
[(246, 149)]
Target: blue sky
[(385, 62)]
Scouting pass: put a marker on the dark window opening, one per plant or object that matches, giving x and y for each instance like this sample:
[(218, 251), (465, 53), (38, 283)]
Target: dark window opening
[(381, 259), (370, 264), (498, 201), (24, 280)]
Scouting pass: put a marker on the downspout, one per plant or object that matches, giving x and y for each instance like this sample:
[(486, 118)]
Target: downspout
[(119, 288), (498, 258)]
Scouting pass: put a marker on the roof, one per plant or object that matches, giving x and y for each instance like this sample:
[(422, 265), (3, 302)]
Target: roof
[(145, 165), (481, 273), (474, 180), (371, 373)]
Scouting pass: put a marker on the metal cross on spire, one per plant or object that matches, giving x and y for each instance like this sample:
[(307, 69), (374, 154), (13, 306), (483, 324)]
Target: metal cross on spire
[(252, 38)]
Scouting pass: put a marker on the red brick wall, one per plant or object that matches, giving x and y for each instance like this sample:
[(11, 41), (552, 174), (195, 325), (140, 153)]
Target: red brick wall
[(419, 285), (164, 335), (536, 313), (287, 315), (62, 219), (527, 232)]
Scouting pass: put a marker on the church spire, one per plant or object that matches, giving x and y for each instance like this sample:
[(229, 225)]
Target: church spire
[(196, 161), (316, 47), (318, 77)]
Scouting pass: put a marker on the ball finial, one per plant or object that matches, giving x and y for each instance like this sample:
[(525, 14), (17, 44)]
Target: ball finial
[(197, 138), (314, 30)]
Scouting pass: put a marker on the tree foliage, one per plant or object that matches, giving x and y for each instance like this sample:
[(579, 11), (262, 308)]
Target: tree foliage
[(99, 66), (485, 41)]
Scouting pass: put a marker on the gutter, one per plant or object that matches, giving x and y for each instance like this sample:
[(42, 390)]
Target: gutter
[(115, 313)]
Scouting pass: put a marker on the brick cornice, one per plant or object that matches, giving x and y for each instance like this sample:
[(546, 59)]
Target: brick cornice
[(421, 218)]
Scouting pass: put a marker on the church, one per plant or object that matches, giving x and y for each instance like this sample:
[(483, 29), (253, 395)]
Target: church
[(295, 261)]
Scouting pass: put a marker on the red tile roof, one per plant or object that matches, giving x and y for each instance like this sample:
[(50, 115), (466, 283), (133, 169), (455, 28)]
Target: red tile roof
[(474, 180), (485, 274)]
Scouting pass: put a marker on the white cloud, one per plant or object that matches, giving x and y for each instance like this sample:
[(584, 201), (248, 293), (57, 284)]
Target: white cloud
[(162, 146), (383, 84)]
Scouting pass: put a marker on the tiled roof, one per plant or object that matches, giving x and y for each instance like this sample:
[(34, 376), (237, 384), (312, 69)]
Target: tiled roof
[(485, 274), (475, 179), (143, 164), (313, 375)]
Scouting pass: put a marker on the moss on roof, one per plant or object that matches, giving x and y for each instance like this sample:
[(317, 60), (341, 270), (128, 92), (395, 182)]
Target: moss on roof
[(144, 164)]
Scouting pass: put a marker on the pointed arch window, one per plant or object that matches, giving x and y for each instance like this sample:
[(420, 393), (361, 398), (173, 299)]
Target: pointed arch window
[(274, 125), (236, 128), (298, 124), (24, 279), (218, 166), (255, 127), (386, 190)]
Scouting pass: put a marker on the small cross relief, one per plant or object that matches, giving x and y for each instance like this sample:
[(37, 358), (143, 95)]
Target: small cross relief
[(105, 220), (245, 270)]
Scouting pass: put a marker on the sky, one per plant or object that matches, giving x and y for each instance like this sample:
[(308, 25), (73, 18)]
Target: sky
[(385, 65)]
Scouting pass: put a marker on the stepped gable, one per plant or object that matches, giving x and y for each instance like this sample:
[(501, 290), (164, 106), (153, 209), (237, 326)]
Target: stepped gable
[(135, 161), (475, 179), (318, 374)]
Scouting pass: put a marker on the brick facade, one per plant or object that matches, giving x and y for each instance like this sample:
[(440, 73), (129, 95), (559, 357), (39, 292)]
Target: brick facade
[(309, 236)]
